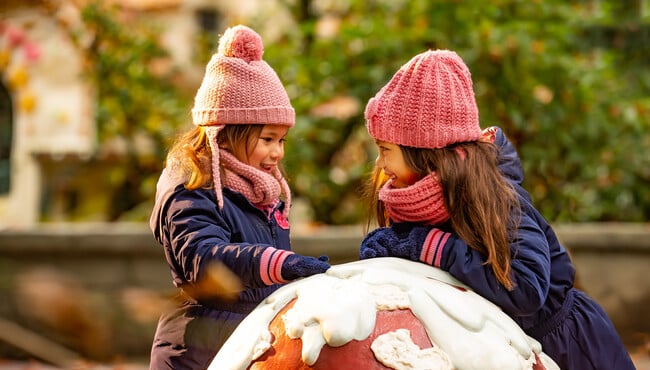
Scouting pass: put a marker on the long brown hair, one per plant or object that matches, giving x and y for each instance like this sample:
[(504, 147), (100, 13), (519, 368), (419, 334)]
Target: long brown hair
[(192, 154), (482, 204)]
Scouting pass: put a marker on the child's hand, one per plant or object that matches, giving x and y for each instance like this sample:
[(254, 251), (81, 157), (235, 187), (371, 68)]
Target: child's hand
[(386, 242), (297, 266), (377, 243)]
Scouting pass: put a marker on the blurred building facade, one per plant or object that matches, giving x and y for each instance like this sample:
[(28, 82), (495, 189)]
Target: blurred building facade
[(46, 108)]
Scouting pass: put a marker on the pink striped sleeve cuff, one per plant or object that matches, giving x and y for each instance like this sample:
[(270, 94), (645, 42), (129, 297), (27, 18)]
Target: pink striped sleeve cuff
[(271, 265), (433, 245)]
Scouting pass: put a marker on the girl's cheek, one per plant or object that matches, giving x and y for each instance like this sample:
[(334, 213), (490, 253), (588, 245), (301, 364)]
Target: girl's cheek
[(411, 178)]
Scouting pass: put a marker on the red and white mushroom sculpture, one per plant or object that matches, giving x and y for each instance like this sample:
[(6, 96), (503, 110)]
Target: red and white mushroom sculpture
[(382, 313)]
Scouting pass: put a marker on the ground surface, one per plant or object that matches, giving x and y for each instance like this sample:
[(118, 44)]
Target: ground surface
[(641, 361), (21, 365)]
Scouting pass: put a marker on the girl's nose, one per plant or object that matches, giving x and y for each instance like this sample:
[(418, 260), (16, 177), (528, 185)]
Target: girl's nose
[(277, 151)]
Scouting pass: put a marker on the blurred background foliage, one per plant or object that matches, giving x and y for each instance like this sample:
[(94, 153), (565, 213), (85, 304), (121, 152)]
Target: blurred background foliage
[(139, 110), (568, 81)]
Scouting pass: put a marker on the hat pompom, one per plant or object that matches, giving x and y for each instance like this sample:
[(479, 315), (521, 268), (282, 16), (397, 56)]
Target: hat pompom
[(241, 42)]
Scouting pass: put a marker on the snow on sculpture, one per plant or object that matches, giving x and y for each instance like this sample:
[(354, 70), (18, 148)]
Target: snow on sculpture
[(382, 313)]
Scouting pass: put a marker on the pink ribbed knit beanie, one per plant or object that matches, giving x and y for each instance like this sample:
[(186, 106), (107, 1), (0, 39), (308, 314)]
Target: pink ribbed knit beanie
[(239, 87), (429, 103)]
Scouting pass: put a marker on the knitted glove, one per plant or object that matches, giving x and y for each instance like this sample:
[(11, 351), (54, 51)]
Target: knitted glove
[(297, 266), (399, 240)]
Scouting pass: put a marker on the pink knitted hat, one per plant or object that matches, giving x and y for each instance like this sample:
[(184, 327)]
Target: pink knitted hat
[(429, 103), (239, 87)]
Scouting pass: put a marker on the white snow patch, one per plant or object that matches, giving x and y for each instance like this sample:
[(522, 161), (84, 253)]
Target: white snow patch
[(396, 350)]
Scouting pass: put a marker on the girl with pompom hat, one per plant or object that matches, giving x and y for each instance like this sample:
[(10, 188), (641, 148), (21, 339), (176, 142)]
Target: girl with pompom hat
[(450, 195), (222, 205)]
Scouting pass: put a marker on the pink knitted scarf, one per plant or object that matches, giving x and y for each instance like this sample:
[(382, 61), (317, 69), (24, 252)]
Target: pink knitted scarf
[(259, 187), (420, 202)]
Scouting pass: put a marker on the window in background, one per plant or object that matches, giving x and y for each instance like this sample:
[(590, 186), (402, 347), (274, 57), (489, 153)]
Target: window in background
[(208, 21), (6, 129)]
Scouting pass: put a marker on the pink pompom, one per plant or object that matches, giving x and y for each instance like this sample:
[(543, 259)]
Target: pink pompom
[(241, 42), (15, 35), (31, 51)]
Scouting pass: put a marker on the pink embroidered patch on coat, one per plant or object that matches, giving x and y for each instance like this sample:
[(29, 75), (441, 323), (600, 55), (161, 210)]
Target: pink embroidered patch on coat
[(281, 220)]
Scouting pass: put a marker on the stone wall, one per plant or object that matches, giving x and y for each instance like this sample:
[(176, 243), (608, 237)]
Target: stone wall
[(98, 289)]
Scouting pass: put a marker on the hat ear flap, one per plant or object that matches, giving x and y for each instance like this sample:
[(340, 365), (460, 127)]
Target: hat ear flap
[(213, 132)]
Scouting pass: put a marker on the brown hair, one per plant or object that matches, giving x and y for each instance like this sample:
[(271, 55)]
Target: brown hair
[(193, 154), (482, 204)]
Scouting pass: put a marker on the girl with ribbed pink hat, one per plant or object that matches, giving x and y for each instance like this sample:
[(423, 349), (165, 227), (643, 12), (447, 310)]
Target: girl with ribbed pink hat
[(448, 194), (222, 205)]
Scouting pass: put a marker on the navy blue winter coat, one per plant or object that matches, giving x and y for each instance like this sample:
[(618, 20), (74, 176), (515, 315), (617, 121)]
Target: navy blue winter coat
[(572, 328), (194, 232)]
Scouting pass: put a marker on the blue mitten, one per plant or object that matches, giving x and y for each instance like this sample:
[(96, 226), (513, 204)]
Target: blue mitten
[(399, 240), (377, 243), (296, 266)]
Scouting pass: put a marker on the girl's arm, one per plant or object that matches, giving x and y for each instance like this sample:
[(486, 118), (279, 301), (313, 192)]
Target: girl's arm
[(199, 236), (530, 262)]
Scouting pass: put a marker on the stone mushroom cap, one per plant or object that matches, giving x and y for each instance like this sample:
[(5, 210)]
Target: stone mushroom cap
[(340, 306)]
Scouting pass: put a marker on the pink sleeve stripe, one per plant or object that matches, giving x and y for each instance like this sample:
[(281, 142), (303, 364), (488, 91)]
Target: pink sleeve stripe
[(433, 245), (440, 246), (426, 255), (271, 265), (276, 270)]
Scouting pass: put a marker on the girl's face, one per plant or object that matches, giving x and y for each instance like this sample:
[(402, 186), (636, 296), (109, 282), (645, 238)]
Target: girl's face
[(391, 161), (267, 150)]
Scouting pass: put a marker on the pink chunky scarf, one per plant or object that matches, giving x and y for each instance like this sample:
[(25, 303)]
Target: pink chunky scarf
[(259, 187), (420, 202)]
